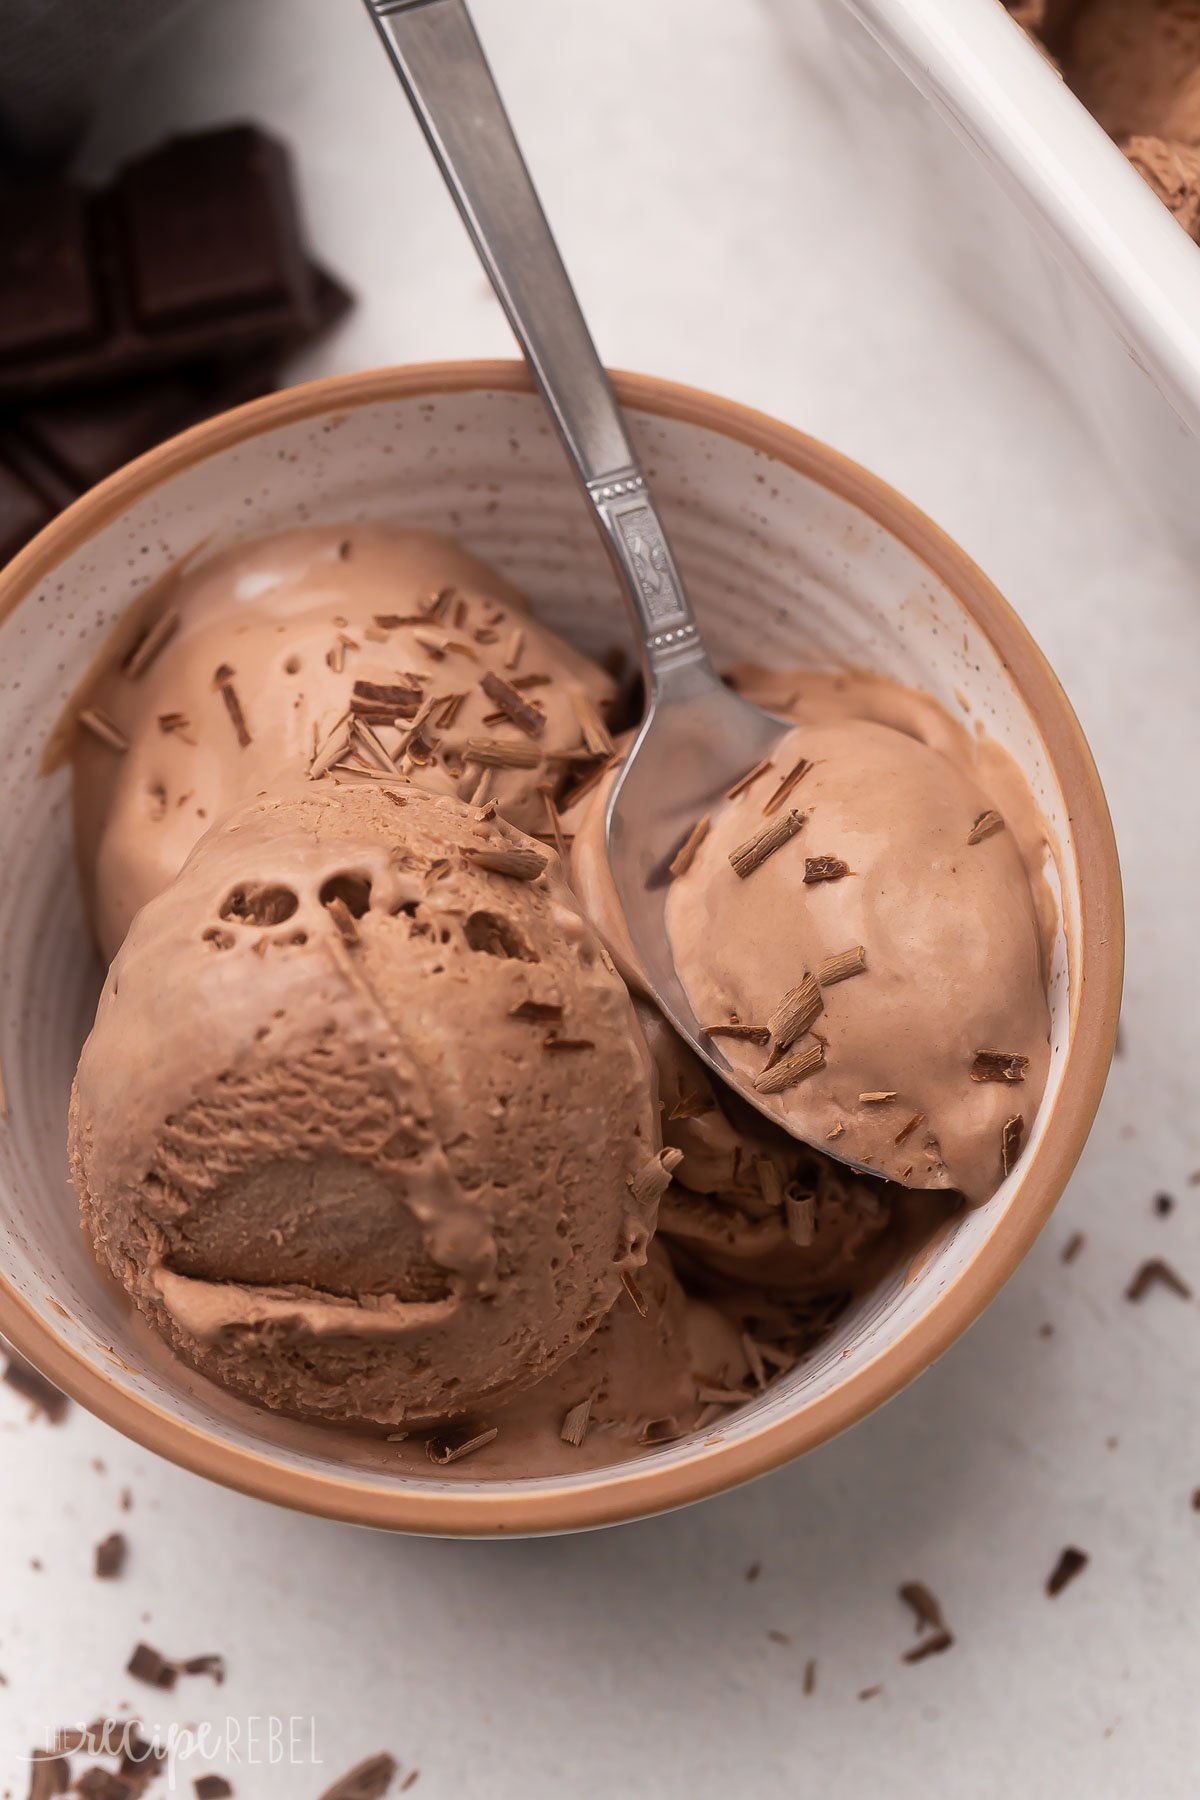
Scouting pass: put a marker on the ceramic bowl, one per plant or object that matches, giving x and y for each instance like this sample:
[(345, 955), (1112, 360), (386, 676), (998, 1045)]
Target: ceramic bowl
[(793, 555)]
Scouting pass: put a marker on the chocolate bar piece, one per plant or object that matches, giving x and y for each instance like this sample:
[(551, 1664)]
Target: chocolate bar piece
[(53, 448), (192, 254)]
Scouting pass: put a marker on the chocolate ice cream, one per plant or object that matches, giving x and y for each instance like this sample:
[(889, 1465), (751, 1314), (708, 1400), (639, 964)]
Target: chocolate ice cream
[(358, 649), (365, 1123), (1135, 65), (368, 1126)]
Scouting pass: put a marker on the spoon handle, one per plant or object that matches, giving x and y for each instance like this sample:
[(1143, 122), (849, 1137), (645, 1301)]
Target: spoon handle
[(440, 61)]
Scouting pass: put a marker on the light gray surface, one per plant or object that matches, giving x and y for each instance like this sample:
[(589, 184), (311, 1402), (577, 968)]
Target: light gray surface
[(637, 1662)]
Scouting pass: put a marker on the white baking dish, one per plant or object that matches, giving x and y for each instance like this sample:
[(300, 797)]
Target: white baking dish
[(1005, 183)]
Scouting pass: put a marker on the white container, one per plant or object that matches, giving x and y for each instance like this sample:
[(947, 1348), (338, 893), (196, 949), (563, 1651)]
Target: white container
[(1003, 181)]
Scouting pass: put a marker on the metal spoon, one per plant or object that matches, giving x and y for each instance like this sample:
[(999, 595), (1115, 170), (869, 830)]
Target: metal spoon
[(697, 737)]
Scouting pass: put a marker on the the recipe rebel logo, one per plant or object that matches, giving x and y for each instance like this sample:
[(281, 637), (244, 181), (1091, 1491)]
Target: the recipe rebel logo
[(253, 1740)]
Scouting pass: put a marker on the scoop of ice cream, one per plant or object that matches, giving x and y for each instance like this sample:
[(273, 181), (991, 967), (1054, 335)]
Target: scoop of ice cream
[(645, 1376), (1135, 64), (358, 648), (747, 1197), (858, 931), (1173, 171), (365, 1124)]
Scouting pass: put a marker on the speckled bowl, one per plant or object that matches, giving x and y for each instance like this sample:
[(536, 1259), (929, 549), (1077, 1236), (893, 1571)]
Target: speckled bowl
[(791, 553)]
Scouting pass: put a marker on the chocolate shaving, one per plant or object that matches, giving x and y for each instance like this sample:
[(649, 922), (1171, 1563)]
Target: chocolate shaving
[(33, 1386), (538, 1012), (754, 1359), (794, 1014), (930, 1646), (685, 856), (150, 644), (367, 1780), (110, 1556), (494, 753), (744, 1034), (748, 779), (880, 1097), (1164, 1204), (753, 1572), (553, 819), (575, 1424), (692, 1106), (842, 966), (223, 680), (926, 1611), (461, 613), (526, 717), (870, 1693), (514, 648), (1070, 1564), (389, 699), (634, 1292), (596, 735), (514, 860), (770, 1181), (447, 1450), (778, 1637), (794, 775), (587, 782), (448, 708), (801, 1212), (792, 1069), (1073, 1246), (985, 824), (331, 751), (654, 1177), (368, 745), (660, 1431), (553, 1042), (1012, 1136), (754, 852), (907, 1129), (336, 657), (1157, 1273), (102, 727), (343, 918), (523, 682), (176, 722), (998, 1065), (810, 1676), (824, 868)]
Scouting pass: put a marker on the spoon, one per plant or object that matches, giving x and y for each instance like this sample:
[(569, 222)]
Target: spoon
[(698, 737)]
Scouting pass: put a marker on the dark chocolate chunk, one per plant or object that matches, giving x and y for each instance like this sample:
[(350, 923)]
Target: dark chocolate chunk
[(110, 1556), (27, 1381), (367, 1780), (212, 1787), (49, 1775), (99, 1784), (48, 297), (23, 511), (151, 1666), (192, 253), (1068, 1566), (1163, 1204)]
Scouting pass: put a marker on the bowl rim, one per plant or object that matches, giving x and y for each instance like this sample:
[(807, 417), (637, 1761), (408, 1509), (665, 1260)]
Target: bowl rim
[(637, 1490)]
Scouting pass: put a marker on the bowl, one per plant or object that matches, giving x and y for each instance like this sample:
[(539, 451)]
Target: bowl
[(793, 554)]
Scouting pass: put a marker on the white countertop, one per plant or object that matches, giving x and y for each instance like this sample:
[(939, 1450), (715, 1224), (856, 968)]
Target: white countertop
[(720, 234)]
